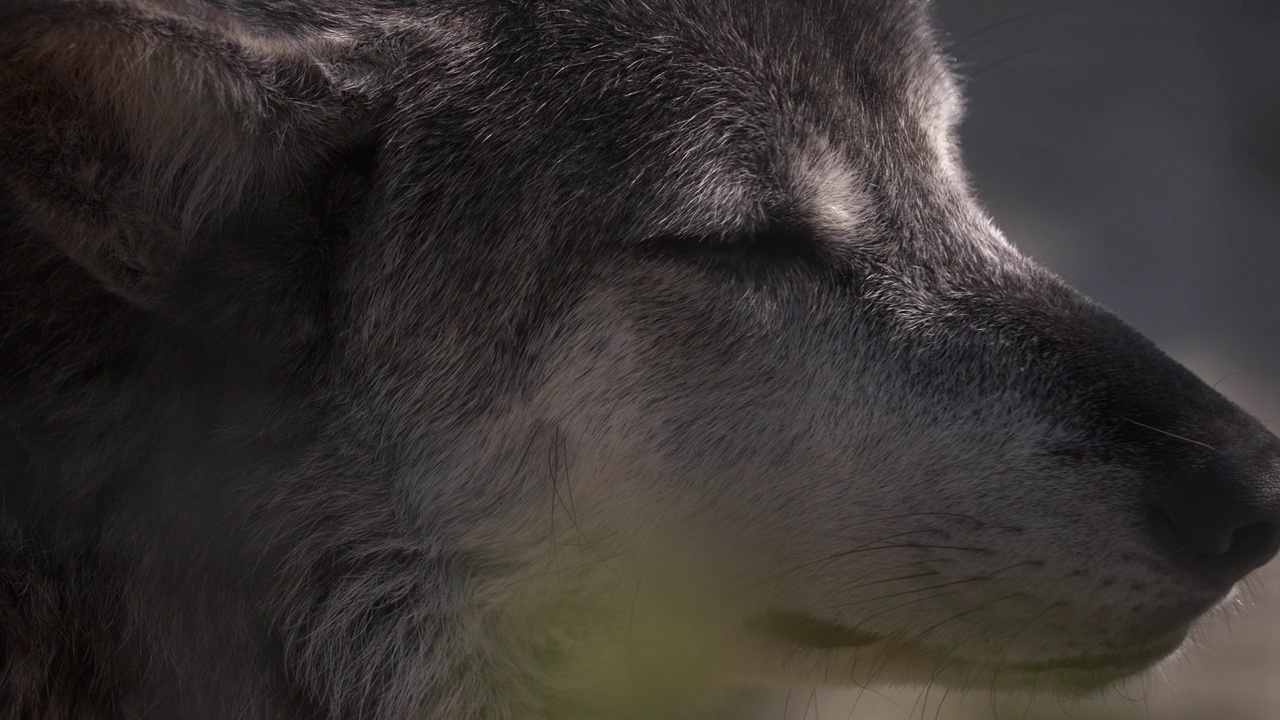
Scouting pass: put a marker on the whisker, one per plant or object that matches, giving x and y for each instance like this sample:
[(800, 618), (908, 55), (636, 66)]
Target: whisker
[(1015, 56), (912, 591), (970, 611), (1231, 374), (926, 598), (968, 52), (939, 668), (871, 546), (981, 524), (1016, 19), (571, 509), (1169, 434), (946, 692), (988, 576)]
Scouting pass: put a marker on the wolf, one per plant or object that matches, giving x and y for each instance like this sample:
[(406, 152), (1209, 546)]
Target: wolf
[(551, 359)]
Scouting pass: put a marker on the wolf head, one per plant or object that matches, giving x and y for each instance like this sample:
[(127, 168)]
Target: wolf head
[(600, 331)]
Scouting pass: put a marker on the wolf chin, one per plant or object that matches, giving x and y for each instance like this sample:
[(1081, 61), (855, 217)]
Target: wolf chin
[(498, 359)]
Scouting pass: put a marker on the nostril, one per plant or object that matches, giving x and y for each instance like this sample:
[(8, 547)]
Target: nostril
[(1235, 551), (1224, 514), (1220, 515), (1252, 545)]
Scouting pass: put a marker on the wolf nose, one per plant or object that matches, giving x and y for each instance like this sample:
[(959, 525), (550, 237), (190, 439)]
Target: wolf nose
[(1228, 513)]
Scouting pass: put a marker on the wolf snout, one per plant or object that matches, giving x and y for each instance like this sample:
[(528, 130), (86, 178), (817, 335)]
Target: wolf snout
[(1225, 514)]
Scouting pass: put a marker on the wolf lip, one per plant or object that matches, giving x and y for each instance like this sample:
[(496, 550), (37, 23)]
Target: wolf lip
[(809, 631), (1131, 660)]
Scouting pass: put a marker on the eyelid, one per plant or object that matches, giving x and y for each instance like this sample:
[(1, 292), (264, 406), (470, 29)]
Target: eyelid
[(772, 242)]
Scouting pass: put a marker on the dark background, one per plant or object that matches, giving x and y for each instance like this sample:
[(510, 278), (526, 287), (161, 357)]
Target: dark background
[(1134, 147)]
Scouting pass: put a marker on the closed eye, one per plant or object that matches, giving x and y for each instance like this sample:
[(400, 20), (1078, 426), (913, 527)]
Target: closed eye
[(775, 243)]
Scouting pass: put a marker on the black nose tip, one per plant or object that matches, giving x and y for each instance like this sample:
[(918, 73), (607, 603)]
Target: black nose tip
[(1228, 513)]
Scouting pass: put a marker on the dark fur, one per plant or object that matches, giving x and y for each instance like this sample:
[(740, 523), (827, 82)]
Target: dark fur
[(256, 283)]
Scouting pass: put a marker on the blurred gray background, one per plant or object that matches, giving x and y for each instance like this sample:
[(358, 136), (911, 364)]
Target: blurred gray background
[(1134, 147)]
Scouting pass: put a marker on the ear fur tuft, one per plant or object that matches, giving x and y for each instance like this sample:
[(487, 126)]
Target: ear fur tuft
[(127, 129)]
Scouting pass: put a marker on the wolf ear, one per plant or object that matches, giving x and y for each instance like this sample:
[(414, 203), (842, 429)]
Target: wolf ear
[(127, 132)]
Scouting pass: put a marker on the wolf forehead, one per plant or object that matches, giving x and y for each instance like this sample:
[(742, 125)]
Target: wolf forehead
[(706, 116)]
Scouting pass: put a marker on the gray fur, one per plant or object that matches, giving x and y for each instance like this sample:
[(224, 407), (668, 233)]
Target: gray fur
[(518, 359)]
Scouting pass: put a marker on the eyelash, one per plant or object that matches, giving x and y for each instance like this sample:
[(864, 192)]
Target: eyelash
[(774, 243)]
